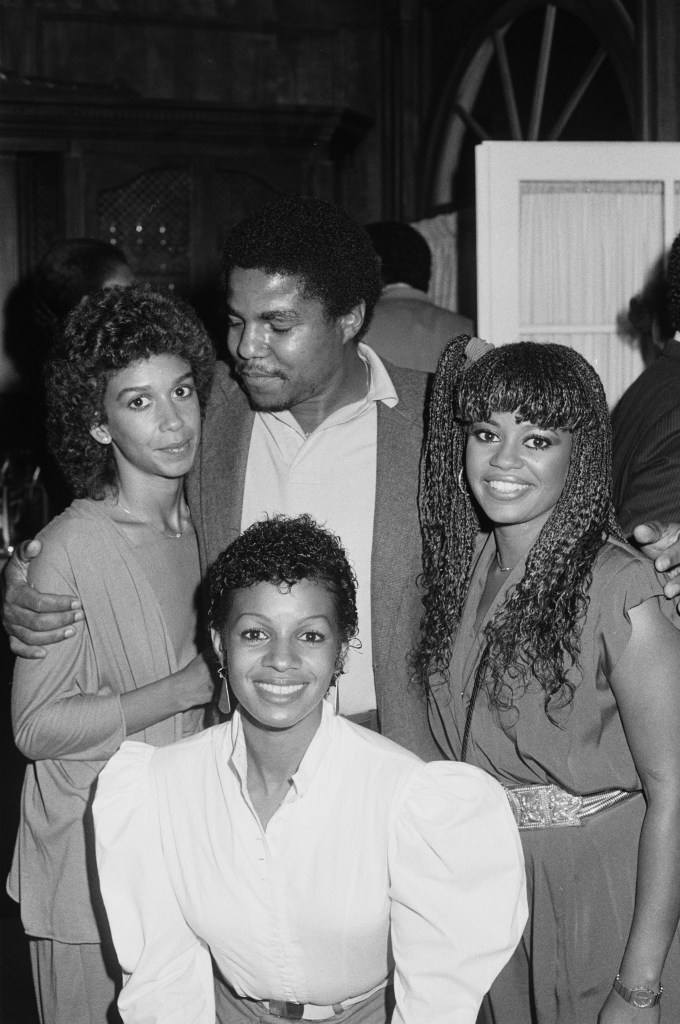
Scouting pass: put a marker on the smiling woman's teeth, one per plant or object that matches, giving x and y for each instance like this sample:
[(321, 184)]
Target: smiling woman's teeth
[(506, 487), (280, 689)]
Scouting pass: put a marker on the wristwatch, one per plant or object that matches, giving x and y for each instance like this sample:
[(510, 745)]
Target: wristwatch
[(641, 997)]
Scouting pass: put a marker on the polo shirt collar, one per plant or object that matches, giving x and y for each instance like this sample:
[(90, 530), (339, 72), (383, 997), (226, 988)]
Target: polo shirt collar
[(380, 388)]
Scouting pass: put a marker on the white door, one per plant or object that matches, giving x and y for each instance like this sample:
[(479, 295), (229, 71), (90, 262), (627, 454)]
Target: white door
[(567, 234)]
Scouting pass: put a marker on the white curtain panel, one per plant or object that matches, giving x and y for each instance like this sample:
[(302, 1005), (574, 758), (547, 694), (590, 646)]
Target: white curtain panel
[(441, 234), (613, 230)]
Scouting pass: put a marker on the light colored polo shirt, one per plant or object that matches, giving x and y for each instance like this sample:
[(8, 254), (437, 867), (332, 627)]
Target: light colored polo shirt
[(331, 474)]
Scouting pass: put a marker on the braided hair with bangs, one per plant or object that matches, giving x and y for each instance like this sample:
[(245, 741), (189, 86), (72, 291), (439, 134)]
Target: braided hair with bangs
[(534, 635)]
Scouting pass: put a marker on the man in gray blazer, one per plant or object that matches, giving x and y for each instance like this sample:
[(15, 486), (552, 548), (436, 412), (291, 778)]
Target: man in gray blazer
[(310, 420)]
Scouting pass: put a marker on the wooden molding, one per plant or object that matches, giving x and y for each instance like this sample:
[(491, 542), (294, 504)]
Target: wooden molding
[(38, 109)]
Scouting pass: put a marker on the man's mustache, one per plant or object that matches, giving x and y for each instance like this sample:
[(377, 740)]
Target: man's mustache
[(246, 369)]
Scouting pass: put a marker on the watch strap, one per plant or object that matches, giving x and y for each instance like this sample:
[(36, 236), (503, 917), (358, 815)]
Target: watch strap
[(641, 996)]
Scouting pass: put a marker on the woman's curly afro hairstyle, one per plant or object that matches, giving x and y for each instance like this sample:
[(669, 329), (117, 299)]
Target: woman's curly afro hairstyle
[(535, 632), (285, 550), (108, 331), (315, 241)]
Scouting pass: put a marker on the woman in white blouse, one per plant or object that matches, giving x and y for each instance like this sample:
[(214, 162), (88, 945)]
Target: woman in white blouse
[(319, 869)]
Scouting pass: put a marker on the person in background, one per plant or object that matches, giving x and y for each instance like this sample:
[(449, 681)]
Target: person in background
[(549, 663), (125, 387), (323, 870), (646, 420), (309, 419), (69, 270), (407, 327)]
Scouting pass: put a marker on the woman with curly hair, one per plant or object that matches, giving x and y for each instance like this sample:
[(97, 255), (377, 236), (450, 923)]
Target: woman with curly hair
[(125, 388), (309, 861), (548, 663)]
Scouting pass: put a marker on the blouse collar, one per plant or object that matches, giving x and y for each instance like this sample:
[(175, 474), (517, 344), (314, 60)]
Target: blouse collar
[(313, 757)]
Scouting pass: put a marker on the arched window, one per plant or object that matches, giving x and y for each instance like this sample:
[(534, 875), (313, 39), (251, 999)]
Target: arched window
[(532, 71), (523, 70)]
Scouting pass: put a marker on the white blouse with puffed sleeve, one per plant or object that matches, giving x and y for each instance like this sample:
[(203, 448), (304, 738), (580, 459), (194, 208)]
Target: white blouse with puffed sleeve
[(374, 865)]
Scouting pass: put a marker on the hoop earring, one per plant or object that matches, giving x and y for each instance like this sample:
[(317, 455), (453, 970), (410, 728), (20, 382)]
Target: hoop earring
[(224, 703), (459, 482)]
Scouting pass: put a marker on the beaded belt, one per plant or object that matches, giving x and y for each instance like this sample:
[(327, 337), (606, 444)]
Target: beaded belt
[(311, 1011), (552, 807)]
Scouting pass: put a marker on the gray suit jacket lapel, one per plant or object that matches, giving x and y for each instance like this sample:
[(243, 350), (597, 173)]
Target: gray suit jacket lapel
[(215, 486), (396, 556)]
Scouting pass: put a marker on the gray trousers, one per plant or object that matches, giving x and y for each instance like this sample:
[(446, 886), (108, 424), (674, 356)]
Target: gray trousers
[(230, 1009), (73, 984)]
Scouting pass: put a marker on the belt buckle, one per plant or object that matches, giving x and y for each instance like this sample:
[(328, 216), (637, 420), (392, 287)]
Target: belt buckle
[(544, 806), (287, 1011)]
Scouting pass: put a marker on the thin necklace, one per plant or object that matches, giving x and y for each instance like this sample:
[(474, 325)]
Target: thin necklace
[(164, 533), (502, 567)]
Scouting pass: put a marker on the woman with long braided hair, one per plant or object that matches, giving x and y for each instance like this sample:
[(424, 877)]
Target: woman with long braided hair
[(548, 661)]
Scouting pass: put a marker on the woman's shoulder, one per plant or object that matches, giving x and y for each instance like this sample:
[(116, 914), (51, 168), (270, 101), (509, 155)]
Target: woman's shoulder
[(466, 781), (71, 542), (441, 795), (623, 579), (123, 783), (190, 764), (617, 560), (83, 517), (374, 746), (417, 787), (133, 766)]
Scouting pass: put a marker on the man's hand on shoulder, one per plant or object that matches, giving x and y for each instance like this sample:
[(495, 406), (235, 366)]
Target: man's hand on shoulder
[(33, 619), (661, 543)]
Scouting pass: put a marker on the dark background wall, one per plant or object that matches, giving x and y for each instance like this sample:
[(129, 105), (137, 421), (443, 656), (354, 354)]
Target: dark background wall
[(243, 54), (392, 62), (352, 99)]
